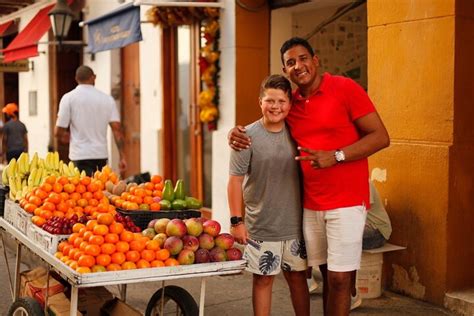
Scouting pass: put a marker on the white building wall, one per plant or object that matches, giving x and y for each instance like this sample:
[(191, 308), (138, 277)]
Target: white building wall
[(220, 149), (37, 79)]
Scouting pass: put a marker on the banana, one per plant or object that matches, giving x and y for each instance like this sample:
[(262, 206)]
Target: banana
[(83, 173), (77, 173), (41, 163), (47, 161), (71, 167), (38, 175), (5, 176), (11, 181), (34, 161), (18, 184), (56, 160), (31, 177), (26, 163), (11, 168), (19, 164)]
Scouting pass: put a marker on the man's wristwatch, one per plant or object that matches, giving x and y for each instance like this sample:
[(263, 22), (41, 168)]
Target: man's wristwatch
[(235, 220), (339, 155)]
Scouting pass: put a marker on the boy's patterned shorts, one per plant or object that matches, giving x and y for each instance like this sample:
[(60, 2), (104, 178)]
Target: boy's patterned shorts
[(273, 256)]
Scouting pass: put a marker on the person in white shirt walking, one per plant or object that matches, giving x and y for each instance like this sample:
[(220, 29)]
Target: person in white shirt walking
[(87, 112)]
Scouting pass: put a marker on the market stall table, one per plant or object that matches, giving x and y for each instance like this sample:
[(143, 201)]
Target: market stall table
[(77, 280)]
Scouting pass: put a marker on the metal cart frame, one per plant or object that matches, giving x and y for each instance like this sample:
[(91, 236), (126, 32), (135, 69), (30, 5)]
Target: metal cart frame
[(122, 278)]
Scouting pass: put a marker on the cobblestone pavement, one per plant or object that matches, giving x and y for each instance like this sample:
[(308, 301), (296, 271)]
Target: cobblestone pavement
[(231, 295)]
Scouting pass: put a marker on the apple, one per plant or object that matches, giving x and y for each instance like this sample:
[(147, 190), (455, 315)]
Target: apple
[(224, 241), (212, 227), (173, 244), (160, 225), (194, 227), (206, 241), (202, 256), (233, 254), (161, 237), (176, 227), (190, 242), (218, 254), (186, 256)]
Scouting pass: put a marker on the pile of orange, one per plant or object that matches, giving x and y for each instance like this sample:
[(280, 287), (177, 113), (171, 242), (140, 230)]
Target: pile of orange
[(66, 197), (103, 244), (144, 197)]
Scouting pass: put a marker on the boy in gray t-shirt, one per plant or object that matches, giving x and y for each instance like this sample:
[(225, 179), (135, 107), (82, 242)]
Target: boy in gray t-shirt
[(265, 178)]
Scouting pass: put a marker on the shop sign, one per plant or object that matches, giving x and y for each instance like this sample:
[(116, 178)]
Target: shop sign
[(14, 66)]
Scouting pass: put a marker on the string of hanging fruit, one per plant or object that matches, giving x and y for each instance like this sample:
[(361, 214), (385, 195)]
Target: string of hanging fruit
[(209, 52)]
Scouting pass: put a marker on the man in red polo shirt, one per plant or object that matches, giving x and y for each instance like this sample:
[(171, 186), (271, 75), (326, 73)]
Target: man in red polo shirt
[(336, 127)]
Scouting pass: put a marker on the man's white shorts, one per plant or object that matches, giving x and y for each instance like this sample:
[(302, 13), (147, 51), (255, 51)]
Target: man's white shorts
[(335, 237)]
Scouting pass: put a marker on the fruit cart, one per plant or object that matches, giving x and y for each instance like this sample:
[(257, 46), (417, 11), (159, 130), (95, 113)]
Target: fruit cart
[(185, 304)]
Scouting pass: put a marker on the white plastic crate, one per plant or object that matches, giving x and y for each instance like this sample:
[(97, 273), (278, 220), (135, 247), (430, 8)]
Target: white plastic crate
[(45, 240), (17, 216)]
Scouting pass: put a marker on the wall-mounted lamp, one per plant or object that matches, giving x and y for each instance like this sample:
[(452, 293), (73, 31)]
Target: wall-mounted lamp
[(61, 17)]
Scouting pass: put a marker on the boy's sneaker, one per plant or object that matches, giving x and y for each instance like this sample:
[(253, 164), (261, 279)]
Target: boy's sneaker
[(312, 285), (356, 301)]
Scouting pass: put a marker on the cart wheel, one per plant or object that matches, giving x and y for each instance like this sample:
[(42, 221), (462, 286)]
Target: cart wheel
[(177, 301), (25, 306)]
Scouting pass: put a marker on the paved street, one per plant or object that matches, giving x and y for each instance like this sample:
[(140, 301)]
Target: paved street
[(231, 295)]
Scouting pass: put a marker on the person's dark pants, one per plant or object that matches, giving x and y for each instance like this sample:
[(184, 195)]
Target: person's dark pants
[(14, 154), (372, 238), (90, 165)]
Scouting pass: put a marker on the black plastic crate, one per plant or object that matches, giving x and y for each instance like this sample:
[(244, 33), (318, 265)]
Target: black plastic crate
[(142, 218), (3, 195)]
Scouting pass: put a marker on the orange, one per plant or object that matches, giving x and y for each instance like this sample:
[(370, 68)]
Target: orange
[(73, 264), (82, 202), (93, 250), (111, 238), (85, 180), (49, 206), (93, 202), (157, 263), (78, 254), (126, 236), (73, 252), (70, 203), (58, 214), (74, 180), (91, 224), (47, 187), (116, 228), (54, 197), (148, 200), (141, 264), (113, 177), (122, 246), (86, 261), (87, 235), (127, 265), (73, 237), (58, 254), (171, 262), (149, 186), (83, 270), (67, 249), (77, 227), (101, 230), (96, 240), (83, 245), (148, 255), (64, 196), (62, 206), (41, 194), (75, 196), (50, 179), (113, 267), (105, 219), (162, 254), (108, 248), (87, 195), (98, 195), (38, 220), (58, 187), (30, 207), (35, 200), (92, 187), (80, 188), (156, 179), (103, 260), (64, 259), (137, 245), (77, 242), (62, 180), (132, 255), (155, 206), (153, 245), (118, 257)]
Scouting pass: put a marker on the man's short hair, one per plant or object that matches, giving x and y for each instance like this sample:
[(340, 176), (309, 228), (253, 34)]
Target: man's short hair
[(292, 42), (84, 73), (276, 82)]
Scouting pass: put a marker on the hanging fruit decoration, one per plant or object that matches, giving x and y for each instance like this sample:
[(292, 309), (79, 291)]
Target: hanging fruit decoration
[(209, 51)]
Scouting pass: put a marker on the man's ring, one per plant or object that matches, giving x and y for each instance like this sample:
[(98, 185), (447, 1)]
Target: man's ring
[(234, 142)]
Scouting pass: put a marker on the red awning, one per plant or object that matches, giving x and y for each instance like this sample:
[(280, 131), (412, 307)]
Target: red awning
[(4, 27), (25, 44)]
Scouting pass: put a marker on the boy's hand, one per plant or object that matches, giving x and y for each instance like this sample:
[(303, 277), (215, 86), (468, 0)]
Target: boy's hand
[(319, 158), (240, 233), (237, 138)]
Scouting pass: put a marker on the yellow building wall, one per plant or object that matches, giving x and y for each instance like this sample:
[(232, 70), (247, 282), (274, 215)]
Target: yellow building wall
[(420, 81), (252, 61)]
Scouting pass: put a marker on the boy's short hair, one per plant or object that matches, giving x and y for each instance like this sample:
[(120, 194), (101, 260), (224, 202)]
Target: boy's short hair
[(292, 42), (276, 82), (84, 73)]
